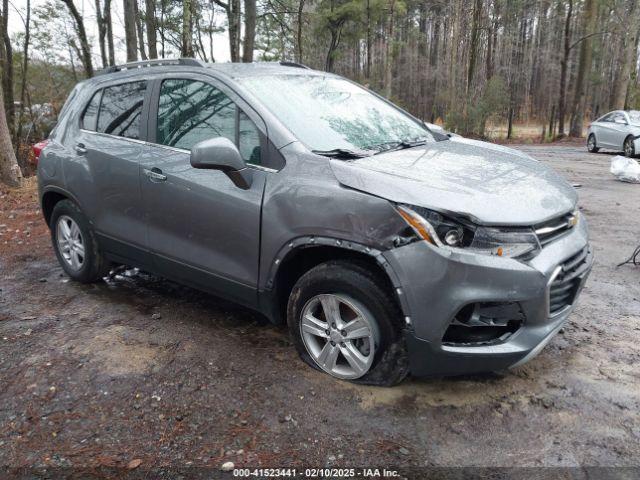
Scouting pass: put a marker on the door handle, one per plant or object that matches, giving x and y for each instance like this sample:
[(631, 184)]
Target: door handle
[(155, 174), (81, 149)]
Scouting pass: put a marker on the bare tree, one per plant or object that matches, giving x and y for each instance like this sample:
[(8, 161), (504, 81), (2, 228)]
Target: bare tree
[(140, 33), (232, 9), (249, 30), (578, 110), (85, 49), (187, 28), (25, 65), (10, 173), (564, 64), (150, 21), (6, 62), (130, 29)]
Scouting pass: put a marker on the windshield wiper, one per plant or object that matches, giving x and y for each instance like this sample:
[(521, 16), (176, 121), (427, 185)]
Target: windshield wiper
[(341, 153), (398, 145)]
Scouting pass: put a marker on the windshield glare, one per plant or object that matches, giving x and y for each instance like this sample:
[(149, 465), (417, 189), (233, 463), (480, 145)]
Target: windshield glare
[(634, 116), (327, 113)]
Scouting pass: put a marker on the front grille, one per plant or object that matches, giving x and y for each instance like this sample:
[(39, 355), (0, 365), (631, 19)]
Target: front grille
[(564, 287), (552, 230)]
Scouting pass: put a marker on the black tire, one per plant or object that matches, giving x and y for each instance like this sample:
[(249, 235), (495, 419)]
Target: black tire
[(356, 281), (629, 147), (94, 266), (592, 146)]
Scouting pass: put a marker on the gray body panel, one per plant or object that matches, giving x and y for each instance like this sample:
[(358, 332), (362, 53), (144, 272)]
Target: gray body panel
[(489, 186), (198, 228)]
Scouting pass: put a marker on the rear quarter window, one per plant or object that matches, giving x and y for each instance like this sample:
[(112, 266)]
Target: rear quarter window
[(90, 116), (121, 110)]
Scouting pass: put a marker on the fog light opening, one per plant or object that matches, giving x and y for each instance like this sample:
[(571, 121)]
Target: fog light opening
[(484, 323)]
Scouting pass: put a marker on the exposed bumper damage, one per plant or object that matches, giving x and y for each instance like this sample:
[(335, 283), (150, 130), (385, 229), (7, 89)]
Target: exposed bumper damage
[(475, 313)]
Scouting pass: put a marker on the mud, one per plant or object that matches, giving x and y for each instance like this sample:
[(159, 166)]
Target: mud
[(141, 369)]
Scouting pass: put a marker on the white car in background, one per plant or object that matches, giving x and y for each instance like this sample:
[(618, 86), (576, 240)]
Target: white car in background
[(618, 130)]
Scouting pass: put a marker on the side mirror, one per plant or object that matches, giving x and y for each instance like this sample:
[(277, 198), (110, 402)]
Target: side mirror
[(221, 154)]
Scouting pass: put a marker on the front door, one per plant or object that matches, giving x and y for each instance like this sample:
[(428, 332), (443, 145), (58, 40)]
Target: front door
[(201, 228)]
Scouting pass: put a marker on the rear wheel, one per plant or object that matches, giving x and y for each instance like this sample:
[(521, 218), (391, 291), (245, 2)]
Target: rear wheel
[(75, 244), (344, 322), (629, 147), (591, 144)]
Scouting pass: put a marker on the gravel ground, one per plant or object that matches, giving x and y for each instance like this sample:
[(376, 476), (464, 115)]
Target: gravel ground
[(140, 372)]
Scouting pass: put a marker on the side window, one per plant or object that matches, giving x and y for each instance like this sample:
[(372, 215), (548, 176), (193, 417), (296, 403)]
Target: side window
[(90, 115), (248, 139), (607, 118), (121, 109), (190, 111)]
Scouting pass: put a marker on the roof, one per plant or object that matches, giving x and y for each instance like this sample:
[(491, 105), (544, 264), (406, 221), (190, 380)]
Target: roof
[(234, 70)]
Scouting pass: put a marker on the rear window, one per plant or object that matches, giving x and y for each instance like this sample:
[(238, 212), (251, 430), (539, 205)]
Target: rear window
[(121, 110)]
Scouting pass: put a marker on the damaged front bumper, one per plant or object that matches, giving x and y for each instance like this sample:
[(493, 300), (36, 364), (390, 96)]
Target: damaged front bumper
[(470, 313)]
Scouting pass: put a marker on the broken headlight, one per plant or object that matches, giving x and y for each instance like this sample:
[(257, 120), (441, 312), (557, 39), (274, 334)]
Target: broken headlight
[(454, 234)]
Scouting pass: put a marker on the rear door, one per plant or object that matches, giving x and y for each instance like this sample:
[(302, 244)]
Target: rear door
[(201, 228), (110, 140)]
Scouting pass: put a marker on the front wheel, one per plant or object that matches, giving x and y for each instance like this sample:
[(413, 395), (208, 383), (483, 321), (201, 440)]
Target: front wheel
[(344, 321), (629, 147), (591, 144)]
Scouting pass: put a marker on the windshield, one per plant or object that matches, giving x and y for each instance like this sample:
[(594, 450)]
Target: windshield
[(328, 113), (634, 116)]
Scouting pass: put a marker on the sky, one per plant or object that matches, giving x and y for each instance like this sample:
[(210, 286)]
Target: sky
[(87, 9)]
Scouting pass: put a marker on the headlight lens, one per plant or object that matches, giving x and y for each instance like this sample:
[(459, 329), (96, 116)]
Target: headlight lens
[(445, 232)]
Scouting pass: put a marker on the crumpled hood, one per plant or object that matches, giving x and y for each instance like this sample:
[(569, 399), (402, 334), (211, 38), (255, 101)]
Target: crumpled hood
[(492, 185)]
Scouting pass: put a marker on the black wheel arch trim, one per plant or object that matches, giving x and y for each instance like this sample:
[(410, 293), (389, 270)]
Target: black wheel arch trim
[(346, 245), (61, 191)]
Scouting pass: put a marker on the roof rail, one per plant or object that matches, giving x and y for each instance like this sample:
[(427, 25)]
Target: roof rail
[(294, 64), (160, 62)]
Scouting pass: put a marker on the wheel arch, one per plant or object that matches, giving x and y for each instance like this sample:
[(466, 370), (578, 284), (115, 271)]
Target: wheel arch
[(302, 254), (50, 198)]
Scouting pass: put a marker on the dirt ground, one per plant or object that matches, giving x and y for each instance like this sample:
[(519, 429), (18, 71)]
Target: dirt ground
[(143, 373)]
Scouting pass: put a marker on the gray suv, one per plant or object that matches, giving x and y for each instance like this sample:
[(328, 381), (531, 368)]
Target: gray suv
[(387, 246)]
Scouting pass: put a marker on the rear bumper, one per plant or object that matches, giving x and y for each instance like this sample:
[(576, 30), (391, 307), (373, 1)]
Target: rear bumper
[(437, 284)]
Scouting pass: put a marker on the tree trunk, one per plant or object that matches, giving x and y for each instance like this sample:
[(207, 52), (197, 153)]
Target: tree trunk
[(299, 32), (584, 67), (249, 30), (369, 42), (143, 54), (187, 28), (475, 37), (388, 73), (10, 173), (7, 66), (130, 30), (628, 59), (102, 35), (150, 21), (25, 65), (85, 49), (106, 15), (563, 70)]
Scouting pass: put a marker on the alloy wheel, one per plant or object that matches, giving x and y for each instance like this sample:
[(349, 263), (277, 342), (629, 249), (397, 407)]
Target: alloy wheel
[(339, 334), (628, 148), (592, 143), (70, 242)]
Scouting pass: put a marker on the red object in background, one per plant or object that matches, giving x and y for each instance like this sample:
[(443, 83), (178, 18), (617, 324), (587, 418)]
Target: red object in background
[(36, 150)]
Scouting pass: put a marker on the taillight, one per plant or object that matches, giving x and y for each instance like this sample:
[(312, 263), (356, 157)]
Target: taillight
[(36, 150)]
